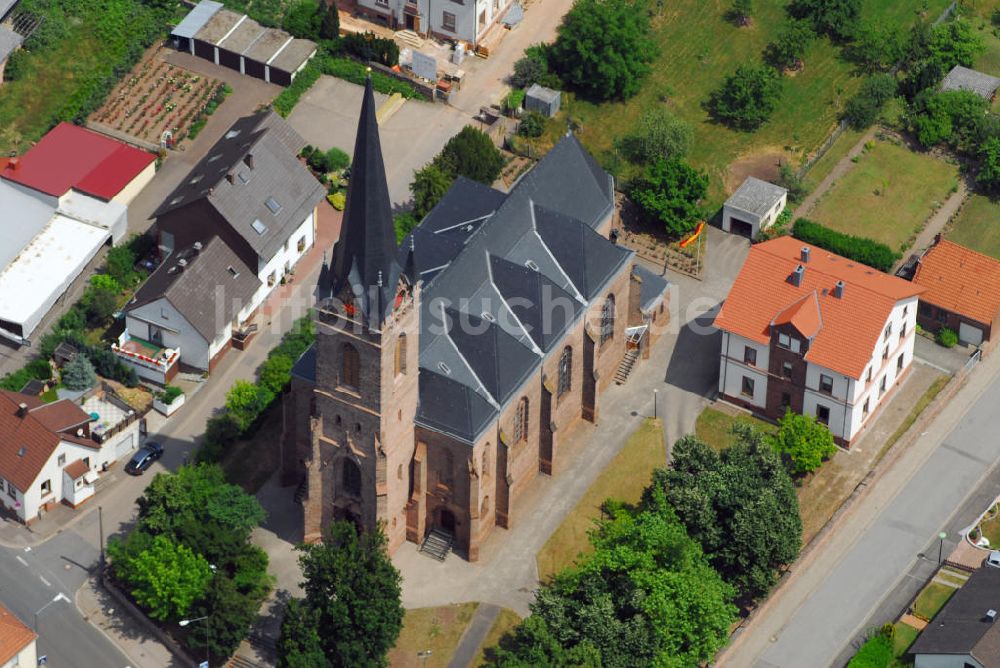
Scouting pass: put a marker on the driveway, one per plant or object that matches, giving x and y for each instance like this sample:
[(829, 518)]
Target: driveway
[(683, 369), (327, 116)]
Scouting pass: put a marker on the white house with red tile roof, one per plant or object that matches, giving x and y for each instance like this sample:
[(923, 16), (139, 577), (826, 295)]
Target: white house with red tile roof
[(17, 642), (52, 453), (808, 330)]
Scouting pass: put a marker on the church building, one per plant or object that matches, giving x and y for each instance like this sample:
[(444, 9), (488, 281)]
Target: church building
[(447, 370)]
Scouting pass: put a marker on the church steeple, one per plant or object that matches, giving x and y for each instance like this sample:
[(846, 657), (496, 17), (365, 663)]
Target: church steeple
[(366, 268)]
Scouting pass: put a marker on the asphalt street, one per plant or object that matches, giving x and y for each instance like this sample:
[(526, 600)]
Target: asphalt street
[(30, 580), (895, 545)]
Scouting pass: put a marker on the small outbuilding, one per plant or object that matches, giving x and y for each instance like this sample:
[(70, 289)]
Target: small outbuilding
[(754, 206), (543, 100), (961, 291), (962, 78)]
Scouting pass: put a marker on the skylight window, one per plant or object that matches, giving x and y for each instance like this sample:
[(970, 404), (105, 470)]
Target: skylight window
[(259, 227), (215, 157), (530, 264), (176, 200), (272, 205), (195, 179), (244, 178), (232, 133), (232, 271), (444, 367)]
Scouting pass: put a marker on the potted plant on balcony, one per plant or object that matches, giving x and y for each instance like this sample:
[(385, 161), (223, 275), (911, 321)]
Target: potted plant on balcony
[(169, 400)]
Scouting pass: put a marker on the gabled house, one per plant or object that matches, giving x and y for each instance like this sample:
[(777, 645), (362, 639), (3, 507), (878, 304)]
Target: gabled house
[(188, 311), (17, 641), (961, 291), (966, 632), (252, 192), (807, 330), (52, 453)]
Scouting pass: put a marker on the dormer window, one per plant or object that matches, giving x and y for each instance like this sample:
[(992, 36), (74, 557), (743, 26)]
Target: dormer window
[(784, 341)]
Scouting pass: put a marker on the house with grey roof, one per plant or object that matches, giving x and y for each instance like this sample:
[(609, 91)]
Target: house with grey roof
[(963, 78), (252, 192), (188, 310), (966, 631), (754, 206), (447, 369)]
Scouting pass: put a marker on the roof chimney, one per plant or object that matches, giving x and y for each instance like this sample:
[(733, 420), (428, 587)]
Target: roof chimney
[(230, 177), (838, 290), (991, 615), (196, 245), (796, 276), (805, 254), (182, 262), (248, 159), (22, 410)]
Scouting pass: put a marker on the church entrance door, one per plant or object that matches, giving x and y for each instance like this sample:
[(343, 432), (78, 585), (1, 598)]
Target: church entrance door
[(446, 520)]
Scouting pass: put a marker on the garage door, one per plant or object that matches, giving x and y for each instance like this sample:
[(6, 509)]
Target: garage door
[(125, 446), (970, 334), (741, 227)]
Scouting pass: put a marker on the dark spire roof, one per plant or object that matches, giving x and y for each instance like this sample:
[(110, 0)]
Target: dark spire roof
[(366, 257)]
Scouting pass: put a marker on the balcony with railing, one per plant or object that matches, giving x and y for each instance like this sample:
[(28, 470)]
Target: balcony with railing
[(150, 361)]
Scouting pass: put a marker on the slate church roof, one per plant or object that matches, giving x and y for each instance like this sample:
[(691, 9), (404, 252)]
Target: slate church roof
[(504, 276), (254, 180)]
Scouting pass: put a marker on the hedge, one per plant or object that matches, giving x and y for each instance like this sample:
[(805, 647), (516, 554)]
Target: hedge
[(859, 249)]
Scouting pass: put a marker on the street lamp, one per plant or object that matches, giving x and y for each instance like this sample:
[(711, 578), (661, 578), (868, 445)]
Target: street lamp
[(58, 597), (941, 537), (185, 622)]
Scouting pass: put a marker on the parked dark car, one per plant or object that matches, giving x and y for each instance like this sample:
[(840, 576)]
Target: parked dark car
[(144, 458)]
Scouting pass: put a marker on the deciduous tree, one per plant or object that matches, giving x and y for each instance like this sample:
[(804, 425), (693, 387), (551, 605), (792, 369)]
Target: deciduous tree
[(166, 578), (472, 154), (429, 185), (836, 18), (659, 135), (741, 12), (787, 51), (330, 28), (988, 175), (804, 442), (604, 48), (669, 194), (747, 98), (877, 47)]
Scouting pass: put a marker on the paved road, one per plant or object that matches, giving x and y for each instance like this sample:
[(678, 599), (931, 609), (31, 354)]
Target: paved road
[(834, 592), (30, 579)]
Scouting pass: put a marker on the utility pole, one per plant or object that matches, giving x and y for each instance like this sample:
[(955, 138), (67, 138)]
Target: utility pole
[(100, 529)]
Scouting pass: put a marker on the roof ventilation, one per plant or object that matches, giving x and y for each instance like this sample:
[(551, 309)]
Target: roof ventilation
[(248, 159), (22, 451), (22, 410), (182, 262), (231, 177), (795, 278), (530, 264), (445, 368), (488, 317), (991, 615), (838, 290), (196, 245), (805, 254)]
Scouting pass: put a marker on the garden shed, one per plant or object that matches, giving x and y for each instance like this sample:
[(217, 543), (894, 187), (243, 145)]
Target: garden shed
[(962, 78), (543, 100), (238, 42), (754, 206)]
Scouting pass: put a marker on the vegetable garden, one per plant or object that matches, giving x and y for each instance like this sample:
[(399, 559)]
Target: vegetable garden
[(157, 97)]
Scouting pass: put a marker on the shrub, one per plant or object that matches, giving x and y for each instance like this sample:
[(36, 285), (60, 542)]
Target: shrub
[(169, 393), (404, 224), (304, 80), (532, 125), (338, 200), (429, 185), (658, 135), (357, 72), (864, 107), (861, 250), (369, 47), (988, 176), (803, 442), (747, 98), (786, 52), (875, 653), (471, 154), (837, 19), (331, 161), (100, 305), (946, 337), (515, 100), (790, 181), (105, 282), (304, 19), (531, 68), (120, 262), (16, 380), (669, 194)]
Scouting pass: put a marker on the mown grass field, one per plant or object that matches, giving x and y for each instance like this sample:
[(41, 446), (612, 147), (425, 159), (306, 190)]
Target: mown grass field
[(977, 225), (624, 479), (699, 48), (435, 629), (888, 195), (715, 427)]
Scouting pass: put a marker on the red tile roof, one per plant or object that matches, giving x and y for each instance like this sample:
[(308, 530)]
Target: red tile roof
[(14, 635), (844, 330), (25, 444), (73, 157), (960, 280), (77, 469), (60, 415)]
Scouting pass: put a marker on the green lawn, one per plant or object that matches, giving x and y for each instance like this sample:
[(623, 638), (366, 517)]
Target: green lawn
[(888, 195), (932, 599), (699, 48), (715, 427), (905, 635), (435, 629), (504, 624), (623, 479), (844, 143), (977, 225)]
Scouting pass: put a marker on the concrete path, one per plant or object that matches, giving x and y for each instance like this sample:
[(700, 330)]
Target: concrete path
[(835, 588), (475, 634), (838, 171), (683, 369), (936, 223)]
